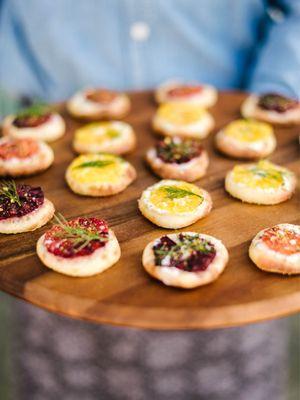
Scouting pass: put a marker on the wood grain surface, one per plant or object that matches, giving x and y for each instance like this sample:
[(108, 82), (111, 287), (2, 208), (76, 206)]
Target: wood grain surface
[(125, 294)]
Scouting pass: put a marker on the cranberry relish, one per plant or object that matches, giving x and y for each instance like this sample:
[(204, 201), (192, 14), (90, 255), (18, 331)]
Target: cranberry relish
[(177, 150), (276, 102), (31, 121), (189, 253), (184, 91), (19, 200), (78, 237)]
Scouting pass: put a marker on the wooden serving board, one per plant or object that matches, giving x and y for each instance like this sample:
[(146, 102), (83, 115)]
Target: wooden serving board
[(125, 294)]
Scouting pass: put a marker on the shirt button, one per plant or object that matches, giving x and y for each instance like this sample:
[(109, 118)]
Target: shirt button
[(139, 31)]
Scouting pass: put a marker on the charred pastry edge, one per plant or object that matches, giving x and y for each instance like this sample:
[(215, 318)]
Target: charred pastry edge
[(37, 162), (250, 109), (123, 145), (237, 149), (80, 107), (273, 261), (259, 195), (82, 266), (197, 130), (49, 131), (169, 220), (29, 222), (206, 98), (95, 189), (188, 171), (173, 276)]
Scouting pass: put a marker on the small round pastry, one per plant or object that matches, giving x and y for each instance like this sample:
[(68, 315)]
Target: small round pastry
[(273, 108), (277, 249), (99, 174), (23, 208), (177, 158), (182, 119), (93, 104), (174, 204), (247, 139), (260, 183), (113, 137), (80, 247), (36, 122), (186, 259), (24, 156), (194, 93)]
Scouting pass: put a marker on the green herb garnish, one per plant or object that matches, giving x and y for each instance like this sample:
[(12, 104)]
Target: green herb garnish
[(112, 133), (79, 236), (36, 110), (8, 189), (174, 192), (95, 164)]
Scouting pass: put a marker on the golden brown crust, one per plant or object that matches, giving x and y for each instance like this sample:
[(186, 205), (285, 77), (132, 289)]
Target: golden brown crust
[(189, 172), (29, 222)]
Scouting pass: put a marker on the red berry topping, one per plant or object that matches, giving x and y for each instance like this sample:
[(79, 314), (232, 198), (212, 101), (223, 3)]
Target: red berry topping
[(283, 240), (102, 96), (31, 121), (78, 237), (276, 102), (184, 91), (177, 150), (19, 200), (17, 148), (189, 253)]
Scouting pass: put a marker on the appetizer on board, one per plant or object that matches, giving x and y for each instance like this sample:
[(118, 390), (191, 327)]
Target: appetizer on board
[(273, 108), (23, 208), (92, 104), (247, 139), (186, 259), (260, 183), (190, 92), (277, 249), (99, 174), (24, 156), (177, 158), (182, 119), (174, 204), (113, 137), (38, 122), (79, 247)]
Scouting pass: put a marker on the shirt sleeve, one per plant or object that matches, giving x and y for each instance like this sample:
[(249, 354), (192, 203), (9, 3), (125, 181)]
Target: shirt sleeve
[(277, 68)]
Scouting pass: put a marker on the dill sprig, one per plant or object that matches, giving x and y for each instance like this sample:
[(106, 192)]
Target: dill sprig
[(78, 235), (8, 189), (35, 110), (95, 164), (174, 192)]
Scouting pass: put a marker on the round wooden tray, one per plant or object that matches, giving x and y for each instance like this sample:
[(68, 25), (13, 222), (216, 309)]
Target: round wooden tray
[(125, 294)]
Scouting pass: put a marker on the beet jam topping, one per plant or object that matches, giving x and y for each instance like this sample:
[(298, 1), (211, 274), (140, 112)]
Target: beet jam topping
[(185, 91), (188, 253), (176, 150), (282, 240), (102, 96), (78, 237), (31, 121), (19, 200), (18, 148), (276, 102)]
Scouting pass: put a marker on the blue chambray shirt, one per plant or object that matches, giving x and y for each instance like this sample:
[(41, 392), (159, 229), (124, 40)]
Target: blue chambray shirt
[(50, 48)]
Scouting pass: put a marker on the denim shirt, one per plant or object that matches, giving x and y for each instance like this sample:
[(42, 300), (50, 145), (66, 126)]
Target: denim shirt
[(50, 48)]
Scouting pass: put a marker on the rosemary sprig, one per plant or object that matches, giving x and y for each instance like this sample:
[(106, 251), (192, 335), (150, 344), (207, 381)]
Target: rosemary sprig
[(36, 110), (174, 192), (79, 236), (8, 189), (95, 164)]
